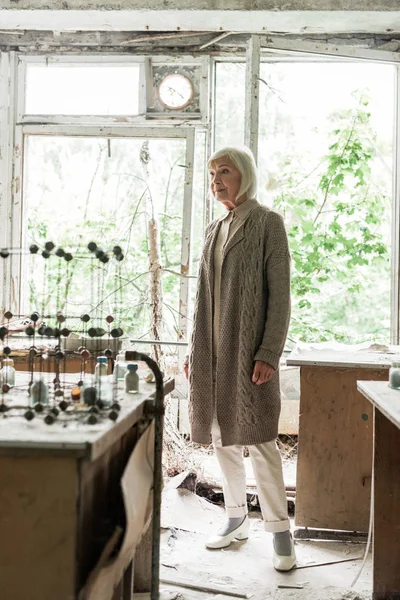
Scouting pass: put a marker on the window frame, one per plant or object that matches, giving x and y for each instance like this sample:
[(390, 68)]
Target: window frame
[(307, 52), (17, 125), (145, 87), (93, 60), (14, 124)]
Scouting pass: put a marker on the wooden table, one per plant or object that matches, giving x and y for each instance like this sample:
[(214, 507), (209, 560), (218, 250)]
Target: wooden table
[(60, 499), (333, 481), (386, 501)]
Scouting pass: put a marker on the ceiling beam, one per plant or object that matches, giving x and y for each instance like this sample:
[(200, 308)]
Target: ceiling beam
[(253, 21)]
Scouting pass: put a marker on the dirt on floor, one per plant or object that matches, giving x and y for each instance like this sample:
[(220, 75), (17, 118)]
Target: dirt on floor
[(244, 569)]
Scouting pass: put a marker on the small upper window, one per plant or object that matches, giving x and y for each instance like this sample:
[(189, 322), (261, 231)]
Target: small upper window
[(89, 89), (175, 91)]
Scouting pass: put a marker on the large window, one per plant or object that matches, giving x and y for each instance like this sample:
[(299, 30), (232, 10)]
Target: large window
[(94, 165), (325, 162), (79, 190)]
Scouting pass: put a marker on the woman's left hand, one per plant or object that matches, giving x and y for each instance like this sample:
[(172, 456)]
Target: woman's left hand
[(262, 372)]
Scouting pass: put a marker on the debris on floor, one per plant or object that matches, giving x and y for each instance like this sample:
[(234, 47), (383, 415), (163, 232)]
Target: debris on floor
[(245, 567), (187, 511)]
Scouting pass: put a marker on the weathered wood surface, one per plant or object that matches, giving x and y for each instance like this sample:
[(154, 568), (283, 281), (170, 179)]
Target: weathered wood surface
[(58, 514), (142, 562), (383, 398), (334, 465), (38, 525), (386, 549), (101, 506), (70, 435), (331, 358)]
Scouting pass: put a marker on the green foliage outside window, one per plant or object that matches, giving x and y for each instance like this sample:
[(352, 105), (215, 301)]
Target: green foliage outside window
[(336, 239), (337, 214)]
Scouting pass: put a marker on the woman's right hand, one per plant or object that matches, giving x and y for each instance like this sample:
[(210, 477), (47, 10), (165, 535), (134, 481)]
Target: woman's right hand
[(186, 370)]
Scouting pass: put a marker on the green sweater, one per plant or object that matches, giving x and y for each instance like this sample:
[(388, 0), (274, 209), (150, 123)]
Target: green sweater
[(254, 319)]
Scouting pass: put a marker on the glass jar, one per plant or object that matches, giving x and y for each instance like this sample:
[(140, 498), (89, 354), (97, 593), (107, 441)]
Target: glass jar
[(105, 390), (394, 376), (103, 382), (132, 380), (8, 372), (119, 368), (101, 368)]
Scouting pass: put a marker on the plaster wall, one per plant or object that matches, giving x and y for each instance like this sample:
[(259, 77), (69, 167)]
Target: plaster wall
[(262, 5)]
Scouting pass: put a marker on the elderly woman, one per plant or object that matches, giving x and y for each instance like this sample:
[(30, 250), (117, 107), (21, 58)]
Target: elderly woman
[(240, 326)]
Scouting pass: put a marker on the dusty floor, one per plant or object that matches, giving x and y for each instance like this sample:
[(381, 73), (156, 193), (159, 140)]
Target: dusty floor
[(246, 567)]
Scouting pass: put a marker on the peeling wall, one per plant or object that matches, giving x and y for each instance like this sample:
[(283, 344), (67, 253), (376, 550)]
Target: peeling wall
[(289, 5), (171, 43)]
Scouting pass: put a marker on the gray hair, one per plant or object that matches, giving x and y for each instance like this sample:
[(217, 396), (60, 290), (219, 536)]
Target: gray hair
[(243, 160)]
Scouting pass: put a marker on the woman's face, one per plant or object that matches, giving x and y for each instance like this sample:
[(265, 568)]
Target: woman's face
[(225, 180)]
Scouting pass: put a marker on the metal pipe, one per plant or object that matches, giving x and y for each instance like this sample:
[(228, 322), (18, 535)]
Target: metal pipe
[(157, 411)]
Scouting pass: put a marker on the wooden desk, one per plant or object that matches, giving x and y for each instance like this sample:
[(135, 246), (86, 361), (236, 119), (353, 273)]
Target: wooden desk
[(386, 538), (60, 500), (333, 482)]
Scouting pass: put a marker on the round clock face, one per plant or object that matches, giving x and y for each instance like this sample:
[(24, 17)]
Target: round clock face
[(175, 91)]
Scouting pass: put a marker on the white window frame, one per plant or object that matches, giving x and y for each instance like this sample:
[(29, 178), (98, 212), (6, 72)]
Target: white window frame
[(13, 124), (65, 60), (278, 50), (106, 132), (16, 125), (103, 60)]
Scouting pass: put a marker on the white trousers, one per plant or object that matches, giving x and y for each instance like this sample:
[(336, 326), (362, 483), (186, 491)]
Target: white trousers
[(267, 466)]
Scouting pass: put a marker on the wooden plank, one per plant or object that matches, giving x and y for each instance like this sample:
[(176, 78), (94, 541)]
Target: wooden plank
[(203, 587), (357, 360), (37, 528), (386, 550), (335, 449), (101, 507), (383, 397), (142, 563)]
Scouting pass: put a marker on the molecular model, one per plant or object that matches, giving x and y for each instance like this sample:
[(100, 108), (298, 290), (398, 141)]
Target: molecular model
[(56, 342)]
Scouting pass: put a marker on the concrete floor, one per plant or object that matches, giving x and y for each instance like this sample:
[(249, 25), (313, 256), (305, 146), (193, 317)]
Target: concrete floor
[(246, 567)]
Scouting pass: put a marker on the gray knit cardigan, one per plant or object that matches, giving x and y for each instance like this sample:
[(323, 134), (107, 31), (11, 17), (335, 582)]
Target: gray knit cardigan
[(254, 319)]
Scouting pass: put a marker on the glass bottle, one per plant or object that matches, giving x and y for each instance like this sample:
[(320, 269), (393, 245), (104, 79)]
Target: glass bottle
[(39, 391), (104, 385), (394, 376), (132, 380), (8, 372), (119, 368), (101, 367)]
